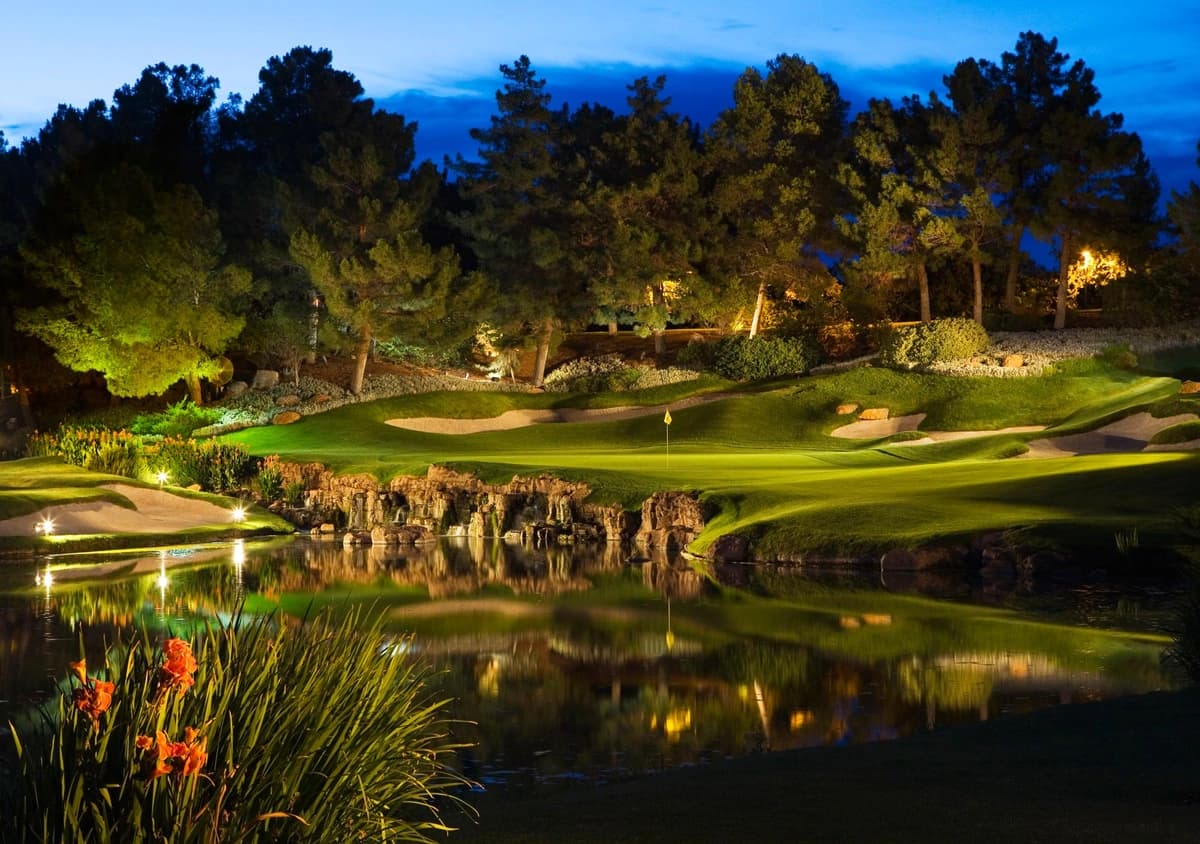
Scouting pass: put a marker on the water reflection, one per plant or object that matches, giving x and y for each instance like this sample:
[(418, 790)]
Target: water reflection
[(570, 664)]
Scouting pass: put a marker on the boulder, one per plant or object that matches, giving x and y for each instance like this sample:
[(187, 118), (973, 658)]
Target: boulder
[(321, 398), (1188, 388), (327, 528), (730, 548), (846, 409), (288, 401), (235, 388), (1013, 361), (265, 379), (287, 417), (873, 414)]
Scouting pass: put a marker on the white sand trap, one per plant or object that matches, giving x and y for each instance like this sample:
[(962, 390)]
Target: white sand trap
[(1132, 433), (873, 429), (948, 436), (157, 512), (521, 418)]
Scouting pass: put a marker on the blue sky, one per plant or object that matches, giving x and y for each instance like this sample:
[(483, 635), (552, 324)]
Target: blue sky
[(437, 62)]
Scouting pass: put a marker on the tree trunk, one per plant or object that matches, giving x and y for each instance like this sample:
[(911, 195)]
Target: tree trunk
[(758, 308), (360, 360), (1064, 270), (660, 303), (543, 352), (1014, 267), (977, 272), (923, 288), (612, 328), (193, 387)]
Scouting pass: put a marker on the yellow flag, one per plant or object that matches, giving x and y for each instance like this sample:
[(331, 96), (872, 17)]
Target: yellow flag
[(667, 418)]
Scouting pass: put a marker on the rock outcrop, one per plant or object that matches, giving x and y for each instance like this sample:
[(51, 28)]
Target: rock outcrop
[(541, 511)]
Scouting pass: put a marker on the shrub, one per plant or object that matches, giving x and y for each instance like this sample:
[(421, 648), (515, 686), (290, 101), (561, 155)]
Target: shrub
[(933, 342), (269, 732), (178, 420), (84, 447), (755, 358), (697, 354), (123, 457), (215, 466), (270, 478), (1118, 356), (293, 493), (604, 374)]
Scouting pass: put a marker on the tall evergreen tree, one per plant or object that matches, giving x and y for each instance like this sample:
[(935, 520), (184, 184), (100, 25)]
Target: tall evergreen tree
[(774, 157), (650, 208), (365, 251), (898, 222), (518, 220)]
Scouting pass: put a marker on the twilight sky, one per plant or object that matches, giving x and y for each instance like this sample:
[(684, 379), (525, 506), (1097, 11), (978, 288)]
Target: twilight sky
[(436, 63)]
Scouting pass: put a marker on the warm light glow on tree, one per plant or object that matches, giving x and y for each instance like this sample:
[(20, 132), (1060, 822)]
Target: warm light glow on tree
[(1094, 268)]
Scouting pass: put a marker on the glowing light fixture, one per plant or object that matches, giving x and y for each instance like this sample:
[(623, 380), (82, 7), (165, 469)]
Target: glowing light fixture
[(238, 513), (161, 477), (45, 526)]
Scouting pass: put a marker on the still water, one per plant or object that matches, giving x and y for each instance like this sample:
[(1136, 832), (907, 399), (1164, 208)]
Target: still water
[(580, 666)]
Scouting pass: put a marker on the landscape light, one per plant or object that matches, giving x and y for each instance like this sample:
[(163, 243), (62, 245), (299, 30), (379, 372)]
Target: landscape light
[(238, 513), (45, 527), (161, 477)]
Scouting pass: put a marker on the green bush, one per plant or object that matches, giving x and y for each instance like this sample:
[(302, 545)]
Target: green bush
[(123, 457), (100, 450), (933, 342), (270, 732), (269, 479), (697, 354), (755, 358), (1118, 356), (178, 420), (215, 466)]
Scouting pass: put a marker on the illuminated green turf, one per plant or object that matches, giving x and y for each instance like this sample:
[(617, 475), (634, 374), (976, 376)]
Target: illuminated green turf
[(766, 459)]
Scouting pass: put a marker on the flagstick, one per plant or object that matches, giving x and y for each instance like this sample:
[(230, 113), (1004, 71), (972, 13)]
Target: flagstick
[(668, 427)]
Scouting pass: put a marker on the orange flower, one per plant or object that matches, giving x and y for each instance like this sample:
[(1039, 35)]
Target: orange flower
[(179, 665), (93, 697), (185, 757)]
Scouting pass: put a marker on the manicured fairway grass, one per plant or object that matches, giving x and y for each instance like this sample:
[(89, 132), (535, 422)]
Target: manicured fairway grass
[(766, 462)]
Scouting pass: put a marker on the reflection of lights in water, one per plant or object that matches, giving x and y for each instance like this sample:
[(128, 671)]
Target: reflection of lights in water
[(239, 563), (45, 579), (489, 680), (674, 723), (162, 577), (800, 718)]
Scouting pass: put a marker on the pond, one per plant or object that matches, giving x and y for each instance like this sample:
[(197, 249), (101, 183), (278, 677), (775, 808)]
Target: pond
[(577, 665)]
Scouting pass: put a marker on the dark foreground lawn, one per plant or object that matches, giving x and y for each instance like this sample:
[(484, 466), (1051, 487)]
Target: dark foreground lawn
[(1126, 770)]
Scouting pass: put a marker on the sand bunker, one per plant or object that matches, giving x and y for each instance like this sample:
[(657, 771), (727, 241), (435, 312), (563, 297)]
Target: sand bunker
[(157, 512), (873, 429), (1133, 433), (521, 418)]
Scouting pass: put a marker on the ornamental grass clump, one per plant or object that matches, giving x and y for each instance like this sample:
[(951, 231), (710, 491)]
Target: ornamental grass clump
[(266, 732)]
